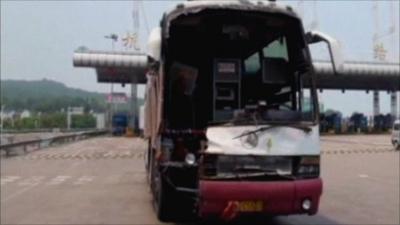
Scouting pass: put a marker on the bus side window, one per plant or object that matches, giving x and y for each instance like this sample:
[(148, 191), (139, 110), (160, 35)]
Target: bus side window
[(277, 49), (252, 64)]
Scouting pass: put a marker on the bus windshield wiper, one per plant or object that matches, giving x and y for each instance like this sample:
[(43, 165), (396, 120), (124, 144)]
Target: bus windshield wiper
[(306, 129)]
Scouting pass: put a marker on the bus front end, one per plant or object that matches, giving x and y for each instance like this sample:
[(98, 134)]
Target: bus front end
[(239, 132)]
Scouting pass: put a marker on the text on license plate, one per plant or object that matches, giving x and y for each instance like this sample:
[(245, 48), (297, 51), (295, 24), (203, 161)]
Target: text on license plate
[(251, 206)]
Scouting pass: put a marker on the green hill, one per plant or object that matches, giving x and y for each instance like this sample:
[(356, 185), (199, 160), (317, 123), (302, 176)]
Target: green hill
[(13, 89), (47, 96)]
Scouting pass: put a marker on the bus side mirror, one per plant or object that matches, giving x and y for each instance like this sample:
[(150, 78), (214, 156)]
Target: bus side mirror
[(334, 48)]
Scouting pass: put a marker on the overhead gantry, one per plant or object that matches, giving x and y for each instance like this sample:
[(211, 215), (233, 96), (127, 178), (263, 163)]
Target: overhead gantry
[(125, 68), (130, 68)]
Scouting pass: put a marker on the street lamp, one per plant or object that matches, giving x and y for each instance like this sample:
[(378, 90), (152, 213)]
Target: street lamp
[(113, 38), (1, 118)]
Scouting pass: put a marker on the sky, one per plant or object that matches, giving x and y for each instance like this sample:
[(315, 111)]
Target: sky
[(38, 39)]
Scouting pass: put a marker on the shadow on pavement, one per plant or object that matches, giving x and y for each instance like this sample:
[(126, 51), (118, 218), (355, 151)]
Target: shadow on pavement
[(279, 220)]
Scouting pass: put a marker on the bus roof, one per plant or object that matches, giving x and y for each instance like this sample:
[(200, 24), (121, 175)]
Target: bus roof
[(193, 7)]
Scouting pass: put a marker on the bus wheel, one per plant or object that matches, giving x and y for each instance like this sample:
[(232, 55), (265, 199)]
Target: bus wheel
[(147, 156), (149, 163), (164, 200), (396, 145)]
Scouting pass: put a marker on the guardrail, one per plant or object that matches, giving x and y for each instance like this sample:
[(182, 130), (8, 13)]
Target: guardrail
[(46, 142), (43, 130)]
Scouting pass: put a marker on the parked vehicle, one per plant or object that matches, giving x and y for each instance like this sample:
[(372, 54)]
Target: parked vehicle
[(382, 123), (232, 112), (396, 135), (331, 120), (358, 123), (119, 123)]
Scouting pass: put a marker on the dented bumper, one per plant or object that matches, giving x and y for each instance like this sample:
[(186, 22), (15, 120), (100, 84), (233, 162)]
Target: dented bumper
[(277, 197)]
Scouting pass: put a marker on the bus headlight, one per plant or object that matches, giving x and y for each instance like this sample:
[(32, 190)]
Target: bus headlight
[(306, 204), (304, 169), (190, 159), (308, 167)]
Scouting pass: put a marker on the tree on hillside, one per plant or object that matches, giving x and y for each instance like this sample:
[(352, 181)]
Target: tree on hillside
[(83, 121), (47, 96)]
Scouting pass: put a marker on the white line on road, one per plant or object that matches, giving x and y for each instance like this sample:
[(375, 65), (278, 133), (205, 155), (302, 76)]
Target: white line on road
[(30, 187), (58, 180), (32, 181), (8, 179), (84, 180), (108, 154), (16, 194)]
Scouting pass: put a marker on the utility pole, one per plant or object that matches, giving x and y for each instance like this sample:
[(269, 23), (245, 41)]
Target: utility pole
[(379, 53), (69, 118), (113, 38), (392, 31), (1, 118), (136, 28)]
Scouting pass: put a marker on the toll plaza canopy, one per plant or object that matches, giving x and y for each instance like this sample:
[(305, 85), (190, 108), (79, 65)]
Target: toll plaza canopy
[(128, 67), (115, 67), (359, 76)]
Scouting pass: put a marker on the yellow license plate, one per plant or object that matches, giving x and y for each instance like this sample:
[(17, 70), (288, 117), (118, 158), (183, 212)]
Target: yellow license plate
[(251, 206)]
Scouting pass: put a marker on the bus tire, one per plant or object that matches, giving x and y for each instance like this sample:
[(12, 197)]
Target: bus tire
[(147, 157), (164, 203), (149, 162), (396, 145)]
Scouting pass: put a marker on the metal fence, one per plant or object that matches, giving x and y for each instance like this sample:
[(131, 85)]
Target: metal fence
[(44, 130), (46, 142)]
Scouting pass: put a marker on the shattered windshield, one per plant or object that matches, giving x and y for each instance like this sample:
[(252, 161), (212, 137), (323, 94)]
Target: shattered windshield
[(271, 88), (236, 65)]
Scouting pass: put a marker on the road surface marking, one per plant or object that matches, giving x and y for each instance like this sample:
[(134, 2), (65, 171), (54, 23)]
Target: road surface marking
[(8, 179), (32, 181), (108, 154), (83, 180), (16, 193), (58, 180), (363, 175)]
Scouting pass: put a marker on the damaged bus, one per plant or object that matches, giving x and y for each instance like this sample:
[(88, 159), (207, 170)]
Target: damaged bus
[(232, 112)]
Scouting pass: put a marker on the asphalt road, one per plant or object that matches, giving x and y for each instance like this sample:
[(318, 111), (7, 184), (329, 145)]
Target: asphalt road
[(102, 181)]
